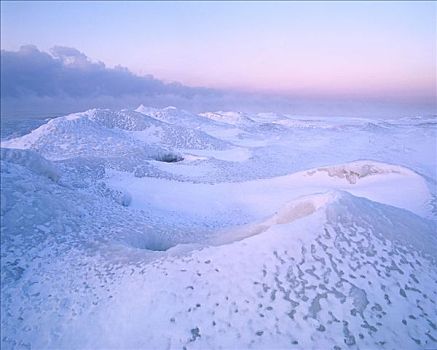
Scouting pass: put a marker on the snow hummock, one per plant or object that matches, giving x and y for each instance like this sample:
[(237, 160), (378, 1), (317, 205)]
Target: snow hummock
[(289, 212)]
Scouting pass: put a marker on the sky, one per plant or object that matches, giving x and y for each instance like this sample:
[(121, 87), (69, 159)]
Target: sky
[(367, 51)]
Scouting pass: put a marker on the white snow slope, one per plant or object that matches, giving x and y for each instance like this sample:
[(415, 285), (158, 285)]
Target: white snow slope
[(163, 229)]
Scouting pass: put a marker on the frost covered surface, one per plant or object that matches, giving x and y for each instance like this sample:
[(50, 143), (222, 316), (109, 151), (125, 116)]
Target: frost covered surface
[(159, 228)]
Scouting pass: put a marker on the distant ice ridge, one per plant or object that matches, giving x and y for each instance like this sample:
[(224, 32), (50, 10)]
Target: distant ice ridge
[(228, 117)]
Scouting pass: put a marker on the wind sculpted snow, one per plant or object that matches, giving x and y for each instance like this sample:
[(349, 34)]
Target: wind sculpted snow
[(160, 228)]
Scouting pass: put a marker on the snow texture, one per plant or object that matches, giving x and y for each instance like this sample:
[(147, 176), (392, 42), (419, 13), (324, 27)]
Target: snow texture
[(164, 229)]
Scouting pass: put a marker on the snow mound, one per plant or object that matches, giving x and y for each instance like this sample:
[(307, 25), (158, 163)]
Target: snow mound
[(173, 115), (75, 135), (125, 119), (389, 223), (151, 130), (341, 208), (289, 212), (331, 271), (106, 133), (32, 161)]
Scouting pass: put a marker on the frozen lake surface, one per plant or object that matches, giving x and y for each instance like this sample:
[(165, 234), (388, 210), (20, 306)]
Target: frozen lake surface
[(160, 229)]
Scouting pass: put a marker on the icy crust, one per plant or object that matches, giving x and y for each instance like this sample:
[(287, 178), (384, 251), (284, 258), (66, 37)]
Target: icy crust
[(151, 130), (14, 161), (324, 273), (354, 171), (75, 136), (173, 115), (32, 161), (340, 206), (315, 282), (411, 232), (113, 252)]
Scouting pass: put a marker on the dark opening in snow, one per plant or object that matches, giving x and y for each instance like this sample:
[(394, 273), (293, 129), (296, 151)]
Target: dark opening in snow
[(157, 246), (169, 158), (154, 241)]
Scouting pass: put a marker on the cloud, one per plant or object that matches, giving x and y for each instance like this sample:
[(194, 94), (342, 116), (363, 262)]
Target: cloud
[(71, 56), (38, 83), (69, 73)]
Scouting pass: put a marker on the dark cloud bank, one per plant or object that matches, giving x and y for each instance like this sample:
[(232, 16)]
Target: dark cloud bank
[(37, 83)]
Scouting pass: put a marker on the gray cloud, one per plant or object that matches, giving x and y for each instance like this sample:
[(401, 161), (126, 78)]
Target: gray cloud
[(37, 83), (67, 72)]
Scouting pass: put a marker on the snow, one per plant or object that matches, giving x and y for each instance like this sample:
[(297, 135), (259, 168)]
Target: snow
[(228, 117), (265, 231), (32, 161)]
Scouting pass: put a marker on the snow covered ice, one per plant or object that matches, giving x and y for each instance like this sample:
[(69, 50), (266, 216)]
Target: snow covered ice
[(165, 229)]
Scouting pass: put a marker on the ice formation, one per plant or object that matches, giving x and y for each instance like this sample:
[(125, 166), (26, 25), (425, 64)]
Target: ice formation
[(161, 228)]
